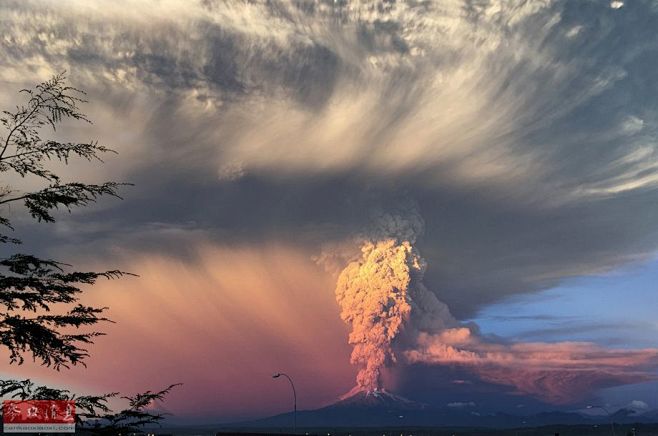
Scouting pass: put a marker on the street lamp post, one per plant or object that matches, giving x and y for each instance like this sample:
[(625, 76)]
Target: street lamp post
[(294, 396), (612, 422)]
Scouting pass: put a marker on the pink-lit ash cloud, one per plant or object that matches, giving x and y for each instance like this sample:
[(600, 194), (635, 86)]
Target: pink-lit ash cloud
[(562, 372)]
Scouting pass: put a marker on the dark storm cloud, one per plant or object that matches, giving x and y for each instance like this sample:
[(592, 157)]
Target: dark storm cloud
[(526, 133)]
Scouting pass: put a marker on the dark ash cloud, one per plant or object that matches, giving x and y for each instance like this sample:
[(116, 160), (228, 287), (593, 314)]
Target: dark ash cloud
[(525, 132)]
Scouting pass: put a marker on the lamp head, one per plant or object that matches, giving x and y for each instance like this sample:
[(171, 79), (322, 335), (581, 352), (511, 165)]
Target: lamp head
[(277, 375)]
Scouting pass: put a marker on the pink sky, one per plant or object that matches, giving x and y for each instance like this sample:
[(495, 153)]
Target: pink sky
[(221, 326)]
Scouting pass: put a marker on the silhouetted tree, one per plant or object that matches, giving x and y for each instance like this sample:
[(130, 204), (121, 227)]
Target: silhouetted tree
[(93, 415), (40, 313)]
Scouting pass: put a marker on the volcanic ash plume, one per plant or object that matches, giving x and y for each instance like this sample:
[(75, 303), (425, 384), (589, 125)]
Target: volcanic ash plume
[(378, 292), (373, 293)]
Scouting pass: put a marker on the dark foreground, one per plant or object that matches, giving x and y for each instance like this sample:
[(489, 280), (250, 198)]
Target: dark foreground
[(551, 430)]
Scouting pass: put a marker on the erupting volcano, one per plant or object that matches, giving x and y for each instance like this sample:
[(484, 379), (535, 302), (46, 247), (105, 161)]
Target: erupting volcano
[(378, 292), (373, 294), (395, 318)]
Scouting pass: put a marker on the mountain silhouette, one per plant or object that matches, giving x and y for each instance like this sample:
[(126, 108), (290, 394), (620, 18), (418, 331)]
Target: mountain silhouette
[(361, 408)]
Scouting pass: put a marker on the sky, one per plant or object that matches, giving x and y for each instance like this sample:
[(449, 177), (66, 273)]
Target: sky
[(454, 201)]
